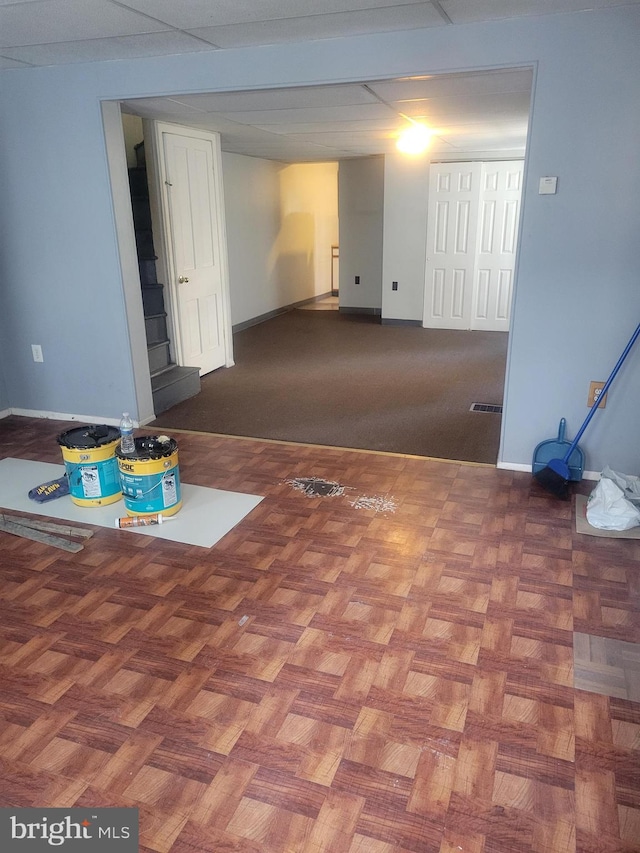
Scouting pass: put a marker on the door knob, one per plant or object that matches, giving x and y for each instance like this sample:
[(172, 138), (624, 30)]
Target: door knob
[(183, 279)]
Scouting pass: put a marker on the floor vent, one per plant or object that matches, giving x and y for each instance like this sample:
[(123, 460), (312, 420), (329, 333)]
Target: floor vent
[(486, 407)]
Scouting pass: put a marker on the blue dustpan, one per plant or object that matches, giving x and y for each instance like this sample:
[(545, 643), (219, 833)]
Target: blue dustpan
[(556, 448)]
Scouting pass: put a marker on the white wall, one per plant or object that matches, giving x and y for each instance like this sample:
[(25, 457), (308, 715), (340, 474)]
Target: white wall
[(361, 214), (252, 212), (133, 135), (577, 298), (406, 184), (281, 222), (309, 227)]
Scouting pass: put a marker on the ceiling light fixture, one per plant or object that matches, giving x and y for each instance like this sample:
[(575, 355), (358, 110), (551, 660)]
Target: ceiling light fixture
[(415, 138)]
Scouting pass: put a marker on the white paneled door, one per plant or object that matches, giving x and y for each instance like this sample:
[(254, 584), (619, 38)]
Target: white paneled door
[(452, 222), (497, 242), (191, 170), (472, 221)]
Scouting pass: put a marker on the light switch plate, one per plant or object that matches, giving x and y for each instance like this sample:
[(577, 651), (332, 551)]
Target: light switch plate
[(548, 186)]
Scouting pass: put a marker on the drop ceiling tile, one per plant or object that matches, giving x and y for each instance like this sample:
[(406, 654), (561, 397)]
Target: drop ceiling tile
[(338, 25), (364, 143), (6, 62), (312, 114), (241, 132), (366, 126), (441, 150), (117, 47), (331, 136), (229, 129), (450, 85), (485, 107), (168, 109), (188, 14), (46, 21), (487, 140), (464, 12), (276, 99), (298, 153), (451, 155), (290, 118), (503, 130), (151, 107)]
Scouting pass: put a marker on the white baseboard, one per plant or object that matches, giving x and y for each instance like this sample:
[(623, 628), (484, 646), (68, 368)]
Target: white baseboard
[(527, 469), (92, 419), (65, 416), (514, 466)]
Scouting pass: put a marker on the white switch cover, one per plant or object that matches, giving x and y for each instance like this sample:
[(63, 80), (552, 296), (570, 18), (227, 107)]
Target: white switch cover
[(548, 186), (36, 349)]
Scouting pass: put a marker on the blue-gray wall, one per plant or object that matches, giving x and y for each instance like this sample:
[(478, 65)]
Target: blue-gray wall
[(577, 295), (361, 218), (4, 395)]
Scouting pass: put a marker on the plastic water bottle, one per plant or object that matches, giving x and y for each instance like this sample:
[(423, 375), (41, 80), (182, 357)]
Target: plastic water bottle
[(127, 442)]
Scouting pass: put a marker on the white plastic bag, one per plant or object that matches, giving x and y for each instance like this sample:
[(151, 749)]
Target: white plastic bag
[(629, 484), (608, 508)]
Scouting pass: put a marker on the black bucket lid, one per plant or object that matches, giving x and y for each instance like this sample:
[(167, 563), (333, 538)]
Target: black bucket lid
[(150, 447), (88, 436)]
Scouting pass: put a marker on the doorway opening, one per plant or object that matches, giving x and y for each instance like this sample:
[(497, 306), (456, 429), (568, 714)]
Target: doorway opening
[(171, 383), (250, 285)]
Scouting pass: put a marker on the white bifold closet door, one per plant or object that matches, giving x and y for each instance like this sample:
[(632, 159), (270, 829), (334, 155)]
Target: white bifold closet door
[(472, 231)]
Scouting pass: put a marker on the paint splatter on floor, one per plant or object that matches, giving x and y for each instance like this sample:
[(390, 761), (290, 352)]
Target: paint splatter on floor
[(378, 503), (315, 487)]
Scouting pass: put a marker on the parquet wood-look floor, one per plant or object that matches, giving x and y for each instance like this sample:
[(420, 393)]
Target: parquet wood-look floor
[(404, 681), (602, 665)]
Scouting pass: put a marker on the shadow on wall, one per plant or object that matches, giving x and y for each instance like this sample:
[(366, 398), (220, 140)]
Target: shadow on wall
[(292, 258)]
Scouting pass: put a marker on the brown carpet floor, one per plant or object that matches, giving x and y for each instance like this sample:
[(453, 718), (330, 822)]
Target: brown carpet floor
[(324, 377)]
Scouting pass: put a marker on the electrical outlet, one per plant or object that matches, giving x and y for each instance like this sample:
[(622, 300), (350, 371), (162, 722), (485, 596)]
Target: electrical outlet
[(36, 351), (357, 279), (394, 285), (595, 393)]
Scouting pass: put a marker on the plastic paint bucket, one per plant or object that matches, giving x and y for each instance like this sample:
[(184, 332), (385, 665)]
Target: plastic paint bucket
[(91, 465), (150, 477)]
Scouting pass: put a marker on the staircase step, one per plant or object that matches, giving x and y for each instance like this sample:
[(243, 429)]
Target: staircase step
[(141, 160), (173, 385), (141, 214), (170, 383), (148, 274), (138, 181), (144, 245), (159, 357), (152, 299), (156, 328)]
